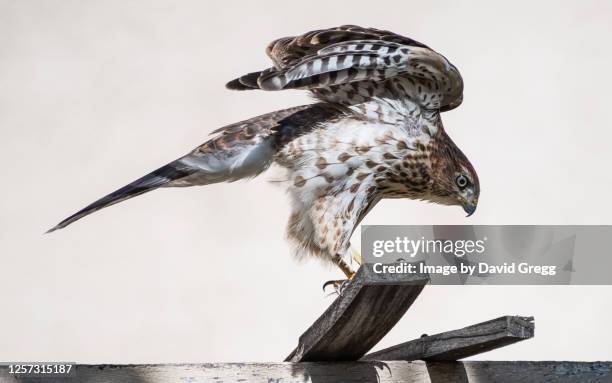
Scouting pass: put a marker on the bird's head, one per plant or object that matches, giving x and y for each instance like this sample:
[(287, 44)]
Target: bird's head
[(455, 181)]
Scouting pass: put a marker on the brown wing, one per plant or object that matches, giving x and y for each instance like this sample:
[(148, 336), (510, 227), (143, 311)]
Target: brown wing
[(288, 51), (351, 54)]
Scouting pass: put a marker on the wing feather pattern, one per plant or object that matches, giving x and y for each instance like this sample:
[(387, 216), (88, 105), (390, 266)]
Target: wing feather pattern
[(351, 54)]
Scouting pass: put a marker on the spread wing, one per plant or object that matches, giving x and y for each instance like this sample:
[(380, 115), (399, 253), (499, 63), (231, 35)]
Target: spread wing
[(329, 59)]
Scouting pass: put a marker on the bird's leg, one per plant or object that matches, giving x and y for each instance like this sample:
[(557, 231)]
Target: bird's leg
[(345, 267), (356, 256), (340, 284)]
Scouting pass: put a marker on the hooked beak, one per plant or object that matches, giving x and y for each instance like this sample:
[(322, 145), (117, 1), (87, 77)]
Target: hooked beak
[(470, 206)]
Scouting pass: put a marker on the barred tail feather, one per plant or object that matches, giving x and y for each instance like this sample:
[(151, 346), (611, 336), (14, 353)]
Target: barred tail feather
[(158, 178)]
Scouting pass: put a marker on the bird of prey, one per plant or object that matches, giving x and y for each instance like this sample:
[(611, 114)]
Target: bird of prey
[(374, 132)]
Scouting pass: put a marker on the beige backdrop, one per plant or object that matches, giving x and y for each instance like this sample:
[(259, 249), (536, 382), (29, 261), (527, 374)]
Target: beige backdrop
[(94, 94)]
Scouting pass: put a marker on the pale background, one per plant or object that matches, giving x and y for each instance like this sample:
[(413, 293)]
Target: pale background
[(94, 94)]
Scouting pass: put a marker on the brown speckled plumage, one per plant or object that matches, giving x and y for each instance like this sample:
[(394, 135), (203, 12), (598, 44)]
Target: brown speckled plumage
[(376, 132)]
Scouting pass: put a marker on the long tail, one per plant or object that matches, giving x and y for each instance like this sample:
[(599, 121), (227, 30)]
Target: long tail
[(238, 151), (158, 178)]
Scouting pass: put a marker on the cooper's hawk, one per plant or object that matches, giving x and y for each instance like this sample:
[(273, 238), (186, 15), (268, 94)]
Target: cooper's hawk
[(374, 133)]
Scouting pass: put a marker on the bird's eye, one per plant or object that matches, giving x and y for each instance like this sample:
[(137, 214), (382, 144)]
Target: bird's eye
[(461, 181)]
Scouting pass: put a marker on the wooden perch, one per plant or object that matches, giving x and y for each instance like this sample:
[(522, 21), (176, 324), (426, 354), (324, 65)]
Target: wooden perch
[(459, 344), (345, 372), (370, 305)]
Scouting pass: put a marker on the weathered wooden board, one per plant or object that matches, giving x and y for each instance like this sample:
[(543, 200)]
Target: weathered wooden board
[(346, 372), (459, 344), (370, 305)]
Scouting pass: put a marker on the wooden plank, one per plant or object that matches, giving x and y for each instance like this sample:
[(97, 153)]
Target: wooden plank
[(346, 372), (459, 344), (370, 305)]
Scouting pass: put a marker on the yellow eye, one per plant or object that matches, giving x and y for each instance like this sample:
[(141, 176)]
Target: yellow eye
[(461, 181)]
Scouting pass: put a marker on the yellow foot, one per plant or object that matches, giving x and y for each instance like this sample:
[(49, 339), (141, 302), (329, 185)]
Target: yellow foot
[(340, 284)]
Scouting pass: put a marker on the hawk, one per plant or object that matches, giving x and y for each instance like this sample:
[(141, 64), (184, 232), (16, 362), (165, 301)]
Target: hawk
[(374, 132)]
